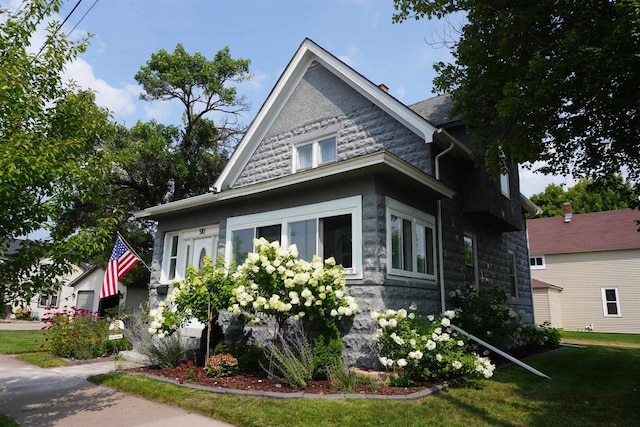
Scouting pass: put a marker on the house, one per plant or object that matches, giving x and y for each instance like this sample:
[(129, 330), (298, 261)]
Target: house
[(335, 164), (80, 288), (586, 270)]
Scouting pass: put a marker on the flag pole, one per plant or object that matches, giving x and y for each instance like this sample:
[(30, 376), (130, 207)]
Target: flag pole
[(131, 249)]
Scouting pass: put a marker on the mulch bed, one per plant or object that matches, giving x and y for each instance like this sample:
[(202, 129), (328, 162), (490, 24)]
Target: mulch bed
[(260, 383)]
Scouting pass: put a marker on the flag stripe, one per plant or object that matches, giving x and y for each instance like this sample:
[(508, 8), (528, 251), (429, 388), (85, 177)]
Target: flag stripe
[(121, 262)]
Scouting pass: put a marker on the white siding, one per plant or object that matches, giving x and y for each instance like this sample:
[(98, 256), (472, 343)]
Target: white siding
[(582, 276)]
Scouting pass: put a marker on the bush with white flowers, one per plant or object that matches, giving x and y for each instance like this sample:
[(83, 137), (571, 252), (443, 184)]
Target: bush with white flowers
[(419, 349), (273, 281)]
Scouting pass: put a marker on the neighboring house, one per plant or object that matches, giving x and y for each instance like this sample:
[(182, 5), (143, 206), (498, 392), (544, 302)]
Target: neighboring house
[(586, 270), (335, 164), (81, 289)]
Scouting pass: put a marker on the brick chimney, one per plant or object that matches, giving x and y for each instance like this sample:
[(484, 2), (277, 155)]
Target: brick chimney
[(384, 87), (568, 212)]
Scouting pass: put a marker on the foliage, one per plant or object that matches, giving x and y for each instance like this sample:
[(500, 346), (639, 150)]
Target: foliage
[(418, 350), (79, 334), (486, 315), (221, 365), (247, 352), (551, 81), (343, 379), (290, 356), (273, 281), (50, 135), (327, 350), (610, 193), (198, 152), (580, 393), (189, 372), (23, 313), (165, 352)]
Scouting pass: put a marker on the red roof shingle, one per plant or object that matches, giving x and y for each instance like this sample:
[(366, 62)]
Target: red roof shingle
[(596, 231)]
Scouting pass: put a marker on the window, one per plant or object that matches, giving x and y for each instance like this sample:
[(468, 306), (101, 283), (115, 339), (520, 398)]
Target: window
[(48, 300), (537, 262), (513, 275), (185, 248), (411, 241), (611, 302), (328, 229), (315, 153), (470, 260), (504, 185)]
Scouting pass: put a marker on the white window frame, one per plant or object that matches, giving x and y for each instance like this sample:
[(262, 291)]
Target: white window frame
[(512, 260), (416, 217), (349, 205), (49, 298), (605, 309), (474, 248), (186, 240), (537, 267), (315, 151), (505, 186)]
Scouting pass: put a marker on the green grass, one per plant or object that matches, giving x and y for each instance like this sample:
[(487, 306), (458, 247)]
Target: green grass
[(43, 359), (588, 387), (604, 338), (7, 421), (13, 342)]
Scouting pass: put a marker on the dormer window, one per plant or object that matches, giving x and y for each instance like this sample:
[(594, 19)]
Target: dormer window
[(315, 153)]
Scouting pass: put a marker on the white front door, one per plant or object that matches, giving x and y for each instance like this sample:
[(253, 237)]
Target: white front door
[(203, 247)]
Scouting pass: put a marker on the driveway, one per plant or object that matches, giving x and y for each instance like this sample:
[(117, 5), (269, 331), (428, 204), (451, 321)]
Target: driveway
[(63, 397)]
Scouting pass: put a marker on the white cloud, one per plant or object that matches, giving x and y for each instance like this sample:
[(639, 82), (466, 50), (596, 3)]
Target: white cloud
[(351, 57), (532, 182), (121, 101)]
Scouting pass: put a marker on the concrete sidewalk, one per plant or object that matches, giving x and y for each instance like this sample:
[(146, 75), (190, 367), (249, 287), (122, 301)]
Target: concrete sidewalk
[(63, 397)]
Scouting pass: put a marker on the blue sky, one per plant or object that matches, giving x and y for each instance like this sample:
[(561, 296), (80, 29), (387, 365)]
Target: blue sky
[(268, 32)]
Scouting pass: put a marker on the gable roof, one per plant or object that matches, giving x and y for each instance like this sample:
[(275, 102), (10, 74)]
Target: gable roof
[(596, 231), (308, 53), (539, 284), (436, 110)]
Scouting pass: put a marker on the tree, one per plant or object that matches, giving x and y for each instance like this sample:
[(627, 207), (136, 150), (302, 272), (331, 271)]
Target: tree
[(201, 148), (551, 81), (49, 133), (587, 196)]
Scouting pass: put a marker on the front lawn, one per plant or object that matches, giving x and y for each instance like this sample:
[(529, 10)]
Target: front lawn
[(13, 342), (579, 393), (600, 337)]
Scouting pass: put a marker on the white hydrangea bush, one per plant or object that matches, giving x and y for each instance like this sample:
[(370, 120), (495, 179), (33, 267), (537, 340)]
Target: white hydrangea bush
[(274, 281), (419, 349)]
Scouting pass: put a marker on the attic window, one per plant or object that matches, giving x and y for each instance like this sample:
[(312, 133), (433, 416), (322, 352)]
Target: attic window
[(537, 262), (313, 154)]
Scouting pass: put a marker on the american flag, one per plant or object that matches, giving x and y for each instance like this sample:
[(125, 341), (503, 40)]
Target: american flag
[(121, 262)]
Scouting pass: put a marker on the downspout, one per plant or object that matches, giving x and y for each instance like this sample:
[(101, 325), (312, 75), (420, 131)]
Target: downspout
[(439, 224)]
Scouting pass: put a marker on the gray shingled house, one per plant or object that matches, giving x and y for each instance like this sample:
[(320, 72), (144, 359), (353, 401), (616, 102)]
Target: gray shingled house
[(337, 165)]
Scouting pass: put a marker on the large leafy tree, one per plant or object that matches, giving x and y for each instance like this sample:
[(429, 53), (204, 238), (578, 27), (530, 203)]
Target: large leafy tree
[(551, 81), (200, 148), (49, 135), (586, 196)]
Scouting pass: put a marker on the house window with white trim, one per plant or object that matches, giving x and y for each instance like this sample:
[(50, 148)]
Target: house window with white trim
[(611, 302), (312, 154), (513, 275), (328, 229), (505, 188), (537, 262), (48, 300), (470, 260), (187, 247), (410, 241)]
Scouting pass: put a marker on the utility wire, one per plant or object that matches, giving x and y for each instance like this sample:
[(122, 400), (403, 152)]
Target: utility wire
[(83, 16), (59, 26)]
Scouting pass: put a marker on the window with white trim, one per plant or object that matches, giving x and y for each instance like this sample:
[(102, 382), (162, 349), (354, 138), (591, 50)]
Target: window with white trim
[(470, 260), (537, 262), (505, 188), (311, 154), (48, 300), (410, 241), (328, 229), (187, 247), (611, 302), (513, 275)]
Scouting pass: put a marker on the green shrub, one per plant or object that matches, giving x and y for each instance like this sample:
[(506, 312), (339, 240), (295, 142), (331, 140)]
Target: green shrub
[(221, 365), (79, 334), (165, 352), (343, 379), (249, 355), (290, 356), (327, 350)]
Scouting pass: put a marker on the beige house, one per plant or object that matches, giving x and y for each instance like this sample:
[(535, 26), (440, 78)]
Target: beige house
[(585, 270)]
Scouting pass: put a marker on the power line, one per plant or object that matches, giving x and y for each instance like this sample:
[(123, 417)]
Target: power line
[(59, 26), (83, 16)]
